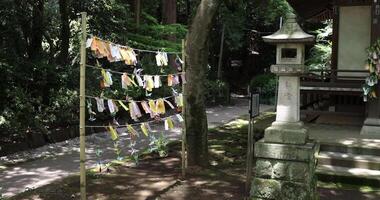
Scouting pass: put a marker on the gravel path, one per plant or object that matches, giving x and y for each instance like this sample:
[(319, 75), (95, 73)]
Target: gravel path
[(55, 161)]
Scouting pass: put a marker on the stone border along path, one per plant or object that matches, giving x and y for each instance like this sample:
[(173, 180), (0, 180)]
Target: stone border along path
[(52, 162)]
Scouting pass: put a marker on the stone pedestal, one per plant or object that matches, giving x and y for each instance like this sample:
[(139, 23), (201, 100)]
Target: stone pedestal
[(284, 172), (371, 125)]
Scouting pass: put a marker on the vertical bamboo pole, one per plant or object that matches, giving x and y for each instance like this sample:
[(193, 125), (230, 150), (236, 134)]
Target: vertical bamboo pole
[(82, 114), (183, 153)]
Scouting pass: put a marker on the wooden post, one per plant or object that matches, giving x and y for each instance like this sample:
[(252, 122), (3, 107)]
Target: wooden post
[(183, 153), (249, 154), (82, 114)]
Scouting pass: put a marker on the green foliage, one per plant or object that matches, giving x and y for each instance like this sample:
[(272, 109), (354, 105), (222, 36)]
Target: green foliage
[(320, 54), (267, 83), (159, 145), (217, 92)]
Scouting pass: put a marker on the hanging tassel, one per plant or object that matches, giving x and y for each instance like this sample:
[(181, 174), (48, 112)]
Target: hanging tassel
[(144, 129), (158, 59), (100, 104), (111, 106), (113, 133), (146, 108)]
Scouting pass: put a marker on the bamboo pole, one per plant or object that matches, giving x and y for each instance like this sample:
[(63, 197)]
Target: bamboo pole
[(82, 114), (183, 153)]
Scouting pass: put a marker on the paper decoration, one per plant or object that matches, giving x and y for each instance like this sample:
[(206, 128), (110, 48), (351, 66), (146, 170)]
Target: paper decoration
[(139, 80), (170, 80), (123, 105), (107, 78), (147, 109), (144, 129), (111, 106), (160, 106), (91, 113), (169, 124), (169, 103), (132, 131), (115, 52), (161, 59), (179, 100), (179, 117), (127, 81), (100, 104), (157, 82), (89, 42), (152, 106), (134, 111), (113, 133), (149, 83)]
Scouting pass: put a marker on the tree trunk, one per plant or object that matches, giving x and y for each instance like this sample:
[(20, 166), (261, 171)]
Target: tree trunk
[(35, 47), (169, 11), (197, 57), (137, 12), (65, 31)]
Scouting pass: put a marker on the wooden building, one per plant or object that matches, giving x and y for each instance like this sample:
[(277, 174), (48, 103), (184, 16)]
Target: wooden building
[(356, 25)]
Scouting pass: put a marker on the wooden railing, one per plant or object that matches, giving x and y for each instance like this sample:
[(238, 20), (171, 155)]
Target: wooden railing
[(331, 75)]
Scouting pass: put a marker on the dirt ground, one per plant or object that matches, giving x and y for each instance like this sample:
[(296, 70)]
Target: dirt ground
[(159, 178)]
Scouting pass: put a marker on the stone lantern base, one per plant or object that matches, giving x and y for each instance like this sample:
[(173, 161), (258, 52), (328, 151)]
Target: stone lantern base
[(285, 171)]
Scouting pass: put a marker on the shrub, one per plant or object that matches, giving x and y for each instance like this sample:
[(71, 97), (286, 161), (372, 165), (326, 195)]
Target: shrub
[(217, 92), (267, 83)]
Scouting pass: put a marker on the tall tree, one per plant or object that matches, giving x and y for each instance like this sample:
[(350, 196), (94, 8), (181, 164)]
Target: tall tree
[(35, 44), (137, 12), (65, 31), (169, 11), (197, 51)]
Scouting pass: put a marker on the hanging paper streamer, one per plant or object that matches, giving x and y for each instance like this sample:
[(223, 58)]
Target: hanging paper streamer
[(179, 100), (113, 133), (152, 106), (132, 131), (149, 83), (169, 124), (90, 112), (111, 106), (162, 59), (175, 80), (100, 104), (179, 117), (127, 81), (123, 105), (147, 109), (107, 78), (89, 42), (170, 80), (169, 103), (138, 77), (134, 111), (157, 82), (144, 129), (160, 106), (115, 52)]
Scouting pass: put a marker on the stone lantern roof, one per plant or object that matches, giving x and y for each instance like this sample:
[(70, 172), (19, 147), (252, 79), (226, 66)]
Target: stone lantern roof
[(290, 32)]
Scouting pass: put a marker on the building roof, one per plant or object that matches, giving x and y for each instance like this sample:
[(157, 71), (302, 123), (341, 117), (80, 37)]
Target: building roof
[(308, 9)]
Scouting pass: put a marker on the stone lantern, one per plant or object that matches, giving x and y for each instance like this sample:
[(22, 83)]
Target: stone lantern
[(285, 158)]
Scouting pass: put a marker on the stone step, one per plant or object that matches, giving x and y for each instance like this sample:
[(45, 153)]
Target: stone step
[(349, 160), (348, 175), (362, 148)]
